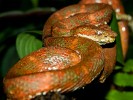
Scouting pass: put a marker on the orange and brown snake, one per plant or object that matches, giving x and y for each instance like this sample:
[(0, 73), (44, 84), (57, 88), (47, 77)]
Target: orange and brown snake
[(72, 56), (123, 23)]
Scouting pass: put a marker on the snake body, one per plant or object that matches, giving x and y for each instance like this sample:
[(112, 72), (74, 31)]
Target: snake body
[(122, 23), (72, 56)]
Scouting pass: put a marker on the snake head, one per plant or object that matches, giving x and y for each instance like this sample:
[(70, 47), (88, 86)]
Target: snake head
[(102, 34)]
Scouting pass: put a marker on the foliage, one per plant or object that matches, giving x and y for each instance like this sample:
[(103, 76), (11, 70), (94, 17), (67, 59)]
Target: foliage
[(124, 80), (119, 95), (114, 27), (19, 36), (27, 43), (123, 76)]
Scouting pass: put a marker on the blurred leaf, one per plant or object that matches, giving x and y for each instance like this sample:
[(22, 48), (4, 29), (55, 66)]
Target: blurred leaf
[(37, 32), (114, 27), (4, 35), (32, 11), (35, 3), (11, 13), (27, 43), (118, 67), (128, 66), (123, 79), (130, 50), (118, 95), (9, 59)]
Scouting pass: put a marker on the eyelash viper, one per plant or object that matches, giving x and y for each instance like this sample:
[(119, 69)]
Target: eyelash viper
[(72, 56)]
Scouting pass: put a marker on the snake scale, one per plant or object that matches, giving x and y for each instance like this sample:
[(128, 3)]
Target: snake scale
[(72, 56), (122, 23)]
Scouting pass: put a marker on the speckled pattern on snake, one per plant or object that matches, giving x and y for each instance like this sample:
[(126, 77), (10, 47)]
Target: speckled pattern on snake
[(122, 23), (72, 56)]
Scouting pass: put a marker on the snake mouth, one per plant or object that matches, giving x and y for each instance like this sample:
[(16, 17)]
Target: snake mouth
[(101, 40), (105, 40)]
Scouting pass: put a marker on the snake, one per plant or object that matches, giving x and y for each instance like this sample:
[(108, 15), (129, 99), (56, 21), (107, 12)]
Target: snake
[(122, 23), (79, 46)]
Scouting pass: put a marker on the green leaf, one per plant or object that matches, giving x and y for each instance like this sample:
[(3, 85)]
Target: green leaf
[(128, 66), (119, 95), (27, 43), (123, 79), (114, 27)]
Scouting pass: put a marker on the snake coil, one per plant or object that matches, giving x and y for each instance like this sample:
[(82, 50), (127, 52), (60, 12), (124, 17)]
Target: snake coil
[(72, 56)]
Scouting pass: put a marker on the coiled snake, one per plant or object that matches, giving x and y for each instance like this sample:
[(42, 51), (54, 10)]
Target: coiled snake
[(72, 56)]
